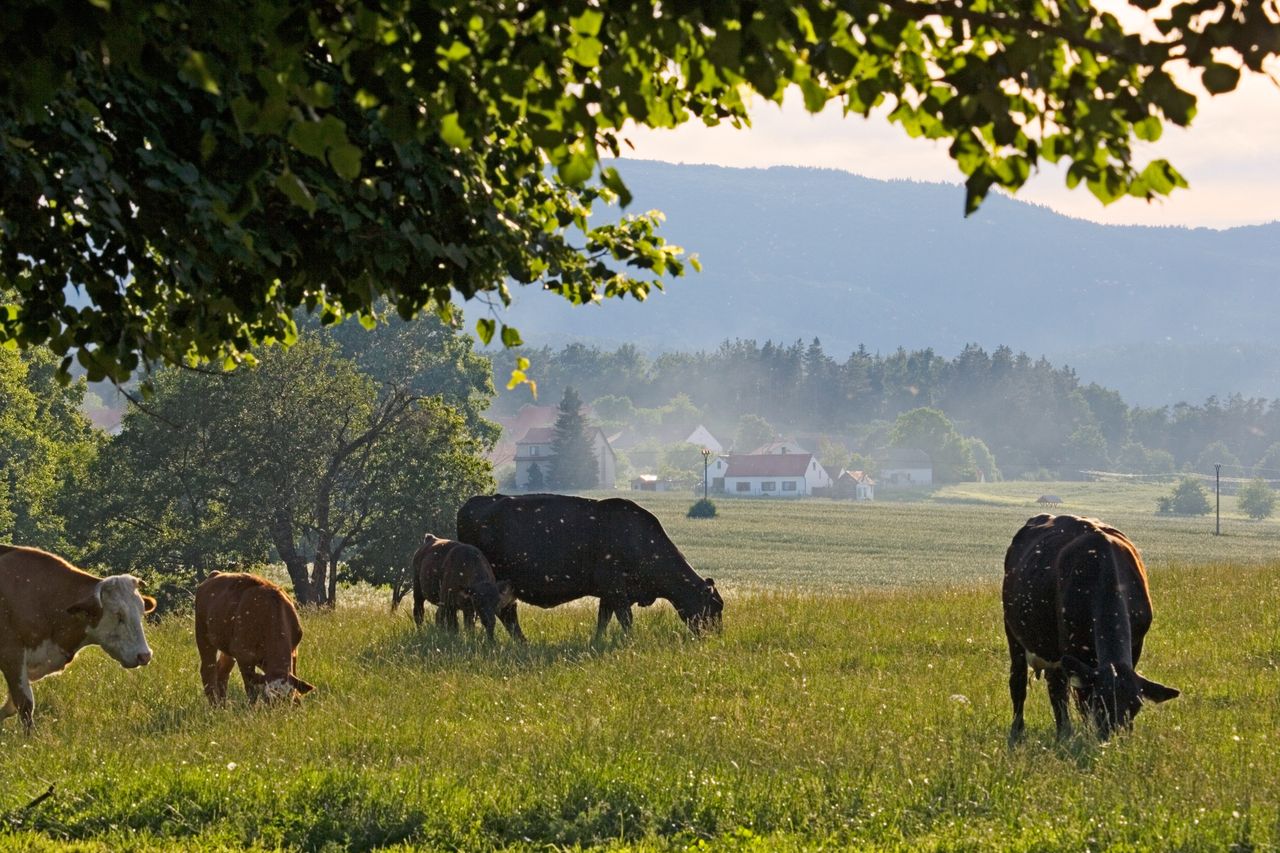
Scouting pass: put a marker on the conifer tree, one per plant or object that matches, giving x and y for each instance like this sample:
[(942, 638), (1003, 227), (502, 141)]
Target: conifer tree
[(574, 465)]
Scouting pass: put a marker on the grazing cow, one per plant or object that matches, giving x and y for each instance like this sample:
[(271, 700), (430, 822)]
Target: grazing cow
[(467, 584), (49, 610), (557, 548), (246, 621), (426, 566), (1076, 608)]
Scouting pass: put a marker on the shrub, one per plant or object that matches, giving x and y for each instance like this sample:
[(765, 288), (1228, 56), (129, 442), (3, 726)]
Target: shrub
[(704, 508), (1257, 499), (1188, 498)]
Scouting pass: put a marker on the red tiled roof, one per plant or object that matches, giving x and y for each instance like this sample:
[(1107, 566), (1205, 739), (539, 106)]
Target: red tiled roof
[(769, 465)]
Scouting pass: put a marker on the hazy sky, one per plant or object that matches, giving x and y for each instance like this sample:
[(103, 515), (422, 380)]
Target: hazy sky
[(1230, 155)]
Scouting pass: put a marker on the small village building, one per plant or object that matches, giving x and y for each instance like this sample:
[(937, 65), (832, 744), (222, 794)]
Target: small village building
[(535, 448), (778, 446), (905, 467), (782, 475), (854, 485), (651, 483), (702, 437)]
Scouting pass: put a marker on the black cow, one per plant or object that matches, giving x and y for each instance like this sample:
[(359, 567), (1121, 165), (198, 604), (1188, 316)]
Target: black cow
[(1076, 607), (557, 548)]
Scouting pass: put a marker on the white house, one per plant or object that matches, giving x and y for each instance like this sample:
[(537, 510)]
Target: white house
[(904, 467), (535, 449), (785, 475), (702, 437)]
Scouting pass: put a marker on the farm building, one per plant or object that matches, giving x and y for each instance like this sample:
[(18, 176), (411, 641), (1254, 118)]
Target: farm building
[(787, 475), (854, 485), (535, 449), (905, 467)]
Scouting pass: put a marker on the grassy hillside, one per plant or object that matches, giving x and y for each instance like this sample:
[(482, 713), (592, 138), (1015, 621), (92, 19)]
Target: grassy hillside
[(870, 717)]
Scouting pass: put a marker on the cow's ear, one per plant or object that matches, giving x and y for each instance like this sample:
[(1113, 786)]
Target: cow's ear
[(1077, 668), (90, 607), (300, 685), (710, 582), (1153, 691), (148, 604)]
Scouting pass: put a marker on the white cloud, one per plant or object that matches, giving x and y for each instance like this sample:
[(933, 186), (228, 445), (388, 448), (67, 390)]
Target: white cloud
[(1230, 156)]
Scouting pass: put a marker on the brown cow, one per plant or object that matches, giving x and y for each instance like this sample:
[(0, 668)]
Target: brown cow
[(427, 564), (467, 584), (248, 621), (1076, 607), (49, 610)]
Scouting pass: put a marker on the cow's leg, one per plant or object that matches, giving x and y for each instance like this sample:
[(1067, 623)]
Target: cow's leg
[(419, 606), (624, 617), (469, 616), (21, 699), (252, 682), (511, 622), (1059, 698), (602, 619), (1017, 686), (214, 689)]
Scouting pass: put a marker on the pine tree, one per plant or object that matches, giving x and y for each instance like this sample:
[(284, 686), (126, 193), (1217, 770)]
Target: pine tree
[(574, 465), (535, 482)]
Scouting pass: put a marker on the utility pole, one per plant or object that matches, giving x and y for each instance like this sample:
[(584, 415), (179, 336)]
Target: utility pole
[(706, 458), (1217, 490)]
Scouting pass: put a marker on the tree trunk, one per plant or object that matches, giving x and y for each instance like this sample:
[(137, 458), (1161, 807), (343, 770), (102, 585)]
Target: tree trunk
[(295, 563)]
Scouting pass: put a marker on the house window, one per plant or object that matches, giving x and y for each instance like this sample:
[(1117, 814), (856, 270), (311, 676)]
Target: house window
[(744, 487), (768, 486), (789, 485), (533, 451)]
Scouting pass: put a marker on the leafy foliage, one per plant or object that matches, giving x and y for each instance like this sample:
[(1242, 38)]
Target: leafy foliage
[(307, 454), (931, 431), (1257, 499), (1188, 498), (753, 432), (232, 164), (703, 508)]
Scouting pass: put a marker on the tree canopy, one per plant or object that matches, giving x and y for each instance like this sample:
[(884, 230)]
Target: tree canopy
[(175, 179)]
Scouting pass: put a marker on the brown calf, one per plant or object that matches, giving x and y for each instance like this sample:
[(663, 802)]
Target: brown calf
[(427, 564), (249, 622), (467, 584), (49, 610)]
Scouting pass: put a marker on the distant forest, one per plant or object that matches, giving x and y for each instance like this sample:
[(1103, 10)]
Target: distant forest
[(1038, 419)]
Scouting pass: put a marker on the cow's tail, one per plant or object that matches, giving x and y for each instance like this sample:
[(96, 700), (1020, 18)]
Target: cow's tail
[(419, 595)]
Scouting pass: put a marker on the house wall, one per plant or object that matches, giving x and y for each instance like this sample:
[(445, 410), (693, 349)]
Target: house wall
[(775, 487), (906, 477)]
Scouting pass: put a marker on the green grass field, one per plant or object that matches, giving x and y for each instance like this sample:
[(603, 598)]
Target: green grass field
[(855, 699)]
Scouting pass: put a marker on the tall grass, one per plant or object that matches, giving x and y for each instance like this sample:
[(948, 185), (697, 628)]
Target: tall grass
[(873, 719)]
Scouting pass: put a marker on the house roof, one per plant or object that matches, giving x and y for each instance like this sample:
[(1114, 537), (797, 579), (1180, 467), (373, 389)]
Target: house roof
[(905, 457), (702, 437), (856, 477), (539, 435), (769, 465), (779, 445)]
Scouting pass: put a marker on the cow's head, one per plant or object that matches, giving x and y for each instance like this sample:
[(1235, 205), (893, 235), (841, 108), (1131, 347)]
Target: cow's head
[(1113, 694), (113, 614), (703, 611), (487, 598), (287, 688)]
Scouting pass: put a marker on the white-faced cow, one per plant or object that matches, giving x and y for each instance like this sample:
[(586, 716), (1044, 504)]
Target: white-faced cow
[(50, 610), (557, 548), (247, 621), (1076, 607)]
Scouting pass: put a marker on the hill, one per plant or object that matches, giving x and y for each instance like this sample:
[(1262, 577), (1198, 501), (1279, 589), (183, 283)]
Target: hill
[(1161, 314)]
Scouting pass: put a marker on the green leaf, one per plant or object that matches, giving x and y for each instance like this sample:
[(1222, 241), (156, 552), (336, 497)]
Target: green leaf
[(196, 70), (452, 133), (346, 161), (1219, 78), (588, 23), (611, 179), (1148, 129), (511, 337), (293, 187), (484, 330), (579, 165), (585, 52)]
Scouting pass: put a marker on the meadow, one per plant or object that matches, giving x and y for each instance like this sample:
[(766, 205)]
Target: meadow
[(856, 698)]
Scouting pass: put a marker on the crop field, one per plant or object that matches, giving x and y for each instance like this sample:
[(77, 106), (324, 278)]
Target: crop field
[(856, 699)]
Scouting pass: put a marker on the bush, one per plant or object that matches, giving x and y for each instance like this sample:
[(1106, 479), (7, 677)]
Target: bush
[(1188, 498), (704, 508), (1256, 499)]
